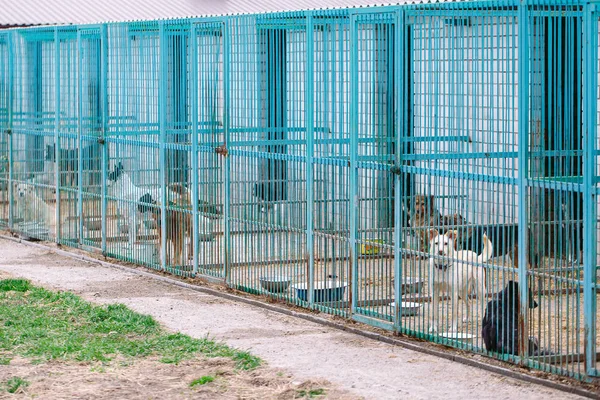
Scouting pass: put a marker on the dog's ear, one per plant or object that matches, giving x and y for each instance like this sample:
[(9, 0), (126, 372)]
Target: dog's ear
[(433, 233), (452, 235)]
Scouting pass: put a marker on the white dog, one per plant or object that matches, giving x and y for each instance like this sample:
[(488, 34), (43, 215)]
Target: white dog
[(137, 200), (454, 272), (33, 208)]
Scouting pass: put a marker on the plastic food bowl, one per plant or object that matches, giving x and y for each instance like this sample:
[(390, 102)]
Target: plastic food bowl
[(274, 284), (324, 291)]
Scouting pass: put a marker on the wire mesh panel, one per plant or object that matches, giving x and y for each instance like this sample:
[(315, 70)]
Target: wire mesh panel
[(459, 158), (92, 62), (34, 212), (208, 77)]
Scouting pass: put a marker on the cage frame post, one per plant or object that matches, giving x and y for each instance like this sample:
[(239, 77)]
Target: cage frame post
[(353, 164), (79, 140), (399, 72), (104, 122), (57, 157), (194, 111), (590, 59), (11, 165), (227, 76), (162, 108), (310, 143)]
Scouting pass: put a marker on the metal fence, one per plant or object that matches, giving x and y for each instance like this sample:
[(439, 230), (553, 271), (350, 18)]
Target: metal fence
[(402, 166)]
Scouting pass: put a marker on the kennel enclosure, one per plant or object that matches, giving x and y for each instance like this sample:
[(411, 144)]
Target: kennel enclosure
[(303, 139)]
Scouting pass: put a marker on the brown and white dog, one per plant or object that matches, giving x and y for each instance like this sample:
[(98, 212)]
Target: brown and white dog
[(179, 225), (453, 271)]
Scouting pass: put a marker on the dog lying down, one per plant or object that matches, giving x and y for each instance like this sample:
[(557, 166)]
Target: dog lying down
[(500, 326), (454, 272)]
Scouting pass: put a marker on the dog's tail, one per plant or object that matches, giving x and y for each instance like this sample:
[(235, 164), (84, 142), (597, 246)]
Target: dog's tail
[(488, 250)]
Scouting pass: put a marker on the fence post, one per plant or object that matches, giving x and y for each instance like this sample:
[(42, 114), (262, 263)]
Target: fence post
[(11, 165), (194, 111), (57, 158), (353, 167), (399, 71), (79, 140), (310, 132), (523, 141), (104, 113), (590, 59), (162, 114), (227, 161)]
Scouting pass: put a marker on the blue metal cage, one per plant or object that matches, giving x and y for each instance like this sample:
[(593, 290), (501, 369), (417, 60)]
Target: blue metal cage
[(401, 166)]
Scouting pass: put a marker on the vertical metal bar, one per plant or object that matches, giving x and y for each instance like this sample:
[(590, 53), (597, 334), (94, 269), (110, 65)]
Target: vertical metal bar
[(56, 128), (11, 166), (399, 71), (79, 174), (226, 127), (523, 170), (310, 132), (353, 167), (162, 114), (590, 57), (194, 111), (104, 116)]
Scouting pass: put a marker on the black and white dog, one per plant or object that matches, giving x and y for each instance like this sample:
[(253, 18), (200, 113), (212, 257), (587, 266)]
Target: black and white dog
[(139, 200), (500, 326)]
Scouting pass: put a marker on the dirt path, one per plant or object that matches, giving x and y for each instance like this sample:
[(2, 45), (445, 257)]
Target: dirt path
[(308, 351)]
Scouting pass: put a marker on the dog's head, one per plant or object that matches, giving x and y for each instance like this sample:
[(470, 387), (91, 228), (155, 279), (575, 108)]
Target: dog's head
[(423, 205), (442, 245), (24, 190), (116, 173), (511, 295)]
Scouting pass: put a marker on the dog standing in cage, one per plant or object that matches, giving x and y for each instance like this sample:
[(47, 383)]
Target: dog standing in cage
[(179, 228), (179, 224), (452, 271), (34, 208), (137, 199)]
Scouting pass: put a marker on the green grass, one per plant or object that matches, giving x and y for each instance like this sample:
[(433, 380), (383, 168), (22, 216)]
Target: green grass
[(45, 325), (13, 384), (202, 381), (16, 285), (310, 393)]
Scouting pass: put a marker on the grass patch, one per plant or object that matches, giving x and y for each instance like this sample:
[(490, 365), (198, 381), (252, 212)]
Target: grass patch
[(202, 381), (45, 325), (14, 285), (310, 393), (13, 384)]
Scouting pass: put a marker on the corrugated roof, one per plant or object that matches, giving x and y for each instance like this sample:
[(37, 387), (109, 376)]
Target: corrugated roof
[(34, 12)]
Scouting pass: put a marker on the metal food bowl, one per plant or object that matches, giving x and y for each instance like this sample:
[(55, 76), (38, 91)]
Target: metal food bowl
[(275, 284), (323, 291), (407, 309)]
